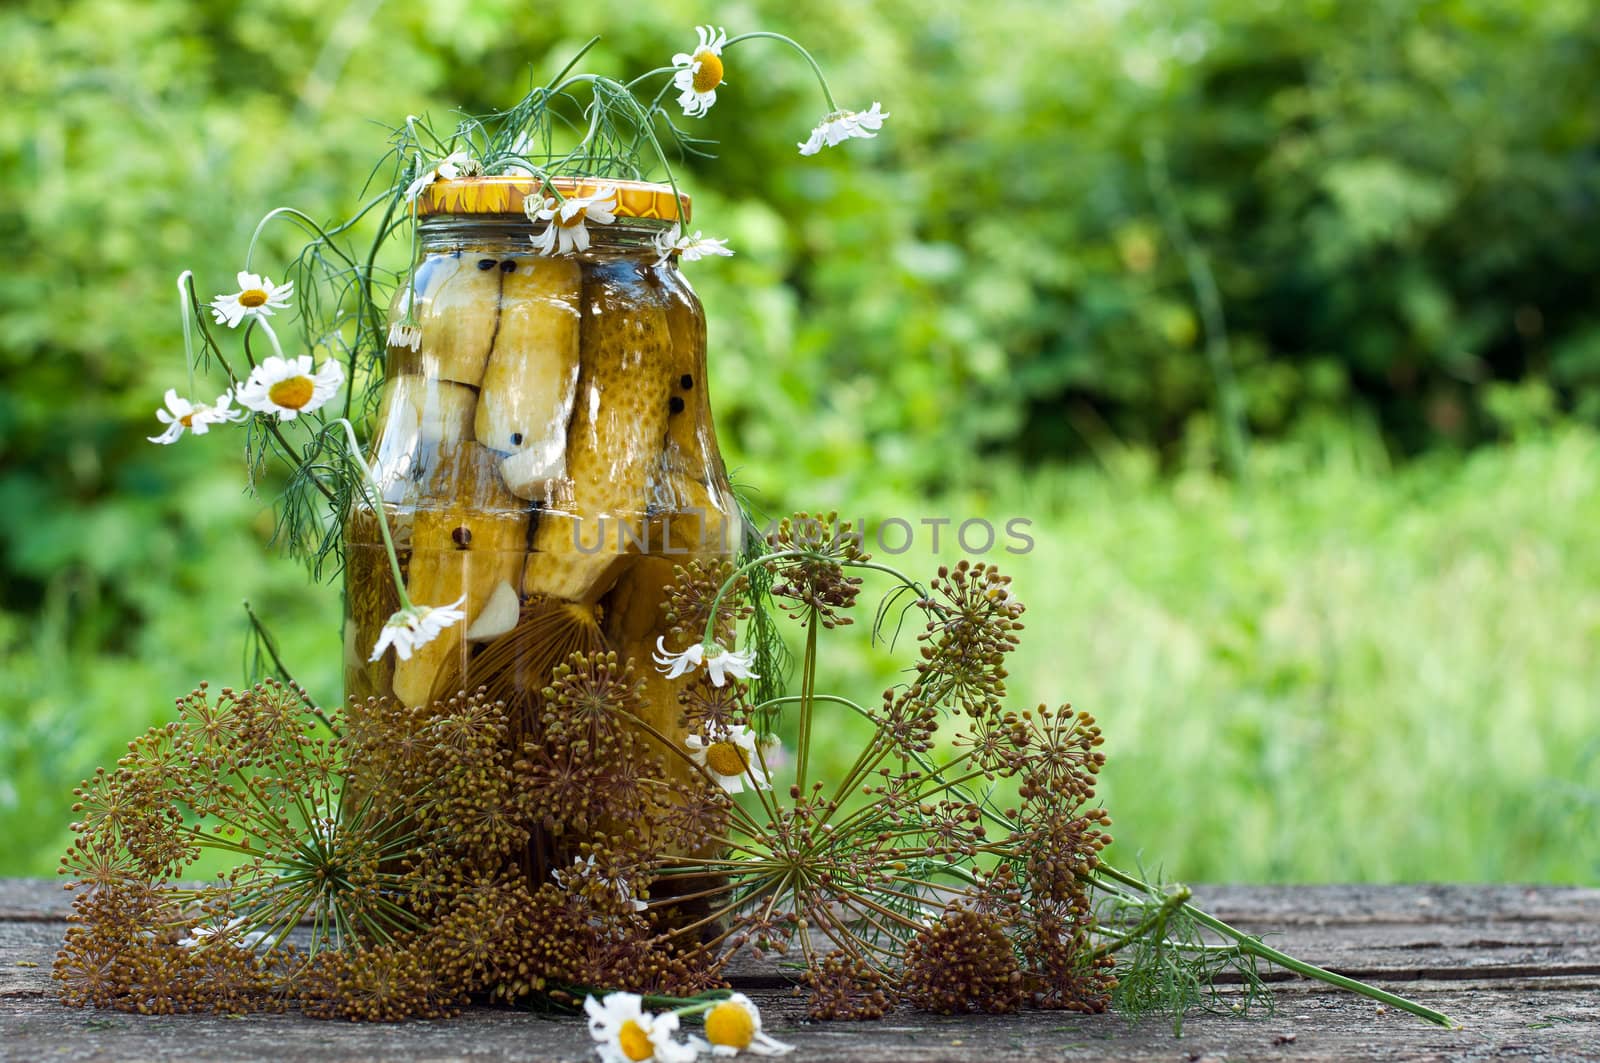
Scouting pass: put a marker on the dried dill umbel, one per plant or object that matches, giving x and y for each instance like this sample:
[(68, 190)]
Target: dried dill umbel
[(392, 862)]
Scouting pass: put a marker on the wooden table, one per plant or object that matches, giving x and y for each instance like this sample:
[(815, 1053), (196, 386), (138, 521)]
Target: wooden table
[(1519, 967)]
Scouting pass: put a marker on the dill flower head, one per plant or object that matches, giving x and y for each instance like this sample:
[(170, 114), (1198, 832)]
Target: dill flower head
[(963, 962), (815, 580), (845, 987), (388, 982), (972, 626), (690, 598)]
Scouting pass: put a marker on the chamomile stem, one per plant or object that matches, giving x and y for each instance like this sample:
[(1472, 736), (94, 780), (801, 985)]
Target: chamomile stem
[(272, 337), (833, 108), (368, 480), (1256, 947), (186, 277)]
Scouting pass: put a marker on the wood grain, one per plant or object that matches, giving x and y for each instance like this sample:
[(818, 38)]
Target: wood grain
[(1518, 966)]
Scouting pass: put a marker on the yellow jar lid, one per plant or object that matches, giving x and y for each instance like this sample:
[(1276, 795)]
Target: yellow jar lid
[(504, 195)]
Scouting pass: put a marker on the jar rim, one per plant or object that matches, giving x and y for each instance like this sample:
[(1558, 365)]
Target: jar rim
[(503, 194)]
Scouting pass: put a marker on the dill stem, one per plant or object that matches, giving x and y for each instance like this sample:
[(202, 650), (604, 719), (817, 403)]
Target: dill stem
[(1258, 948), (366, 294), (1155, 920), (269, 644), (368, 480), (808, 687)]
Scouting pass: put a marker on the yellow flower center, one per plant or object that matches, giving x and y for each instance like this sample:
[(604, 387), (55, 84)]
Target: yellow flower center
[(577, 218), (292, 394), (253, 298), (731, 1025), (187, 420), (709, 75), (725, 758), (634, 1042)]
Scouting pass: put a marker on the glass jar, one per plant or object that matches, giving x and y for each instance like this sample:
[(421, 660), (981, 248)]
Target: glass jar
[(546, 453)]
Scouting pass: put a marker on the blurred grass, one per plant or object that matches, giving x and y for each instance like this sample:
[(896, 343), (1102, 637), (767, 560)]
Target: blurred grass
[(1343, 672)]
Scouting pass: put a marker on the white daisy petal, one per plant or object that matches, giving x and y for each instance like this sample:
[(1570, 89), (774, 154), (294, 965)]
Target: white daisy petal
[(676, 664), (452, 166), (840, 126), (403, 335), (417, 626), (689, 248), (730, 663)]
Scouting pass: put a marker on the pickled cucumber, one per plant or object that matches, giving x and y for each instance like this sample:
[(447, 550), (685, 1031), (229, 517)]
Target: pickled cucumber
[(614, 442), (469, 545)]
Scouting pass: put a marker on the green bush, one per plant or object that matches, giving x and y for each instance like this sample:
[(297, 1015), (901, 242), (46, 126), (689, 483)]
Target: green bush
[(1395, 202)]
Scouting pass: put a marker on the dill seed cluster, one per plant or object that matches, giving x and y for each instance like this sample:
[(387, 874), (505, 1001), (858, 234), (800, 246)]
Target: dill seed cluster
[(386, 862)]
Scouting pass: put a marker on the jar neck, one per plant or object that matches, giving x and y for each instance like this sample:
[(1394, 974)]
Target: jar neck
[(509, 234)]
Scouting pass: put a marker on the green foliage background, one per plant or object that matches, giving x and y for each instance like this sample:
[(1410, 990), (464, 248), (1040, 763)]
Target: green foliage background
[(1373, 654)]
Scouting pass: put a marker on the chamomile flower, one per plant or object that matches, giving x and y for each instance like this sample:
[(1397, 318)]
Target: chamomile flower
[(730, 756), (454, 165), (257, 297), (288, 387), (734, 1026), (700, 72), (566, 229), (417, 626), (623, 1033), (181, 416), (691, 248), (719, 662), (724, 663), (676, 664), (840, 126), (582, 869)]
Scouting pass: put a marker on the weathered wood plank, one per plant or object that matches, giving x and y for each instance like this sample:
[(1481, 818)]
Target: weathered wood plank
[(1519, 966)]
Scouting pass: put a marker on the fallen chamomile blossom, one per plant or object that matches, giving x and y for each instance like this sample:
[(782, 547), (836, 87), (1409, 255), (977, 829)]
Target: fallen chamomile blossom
[(416, 626), (720, 663), (730, 757), (842, 126), (734, 1026), (182, 415), (623, 1033), (201, 936), (456, 164), (257, 297), (699, 73), (582, 869), (691, 248), (289, 387)]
